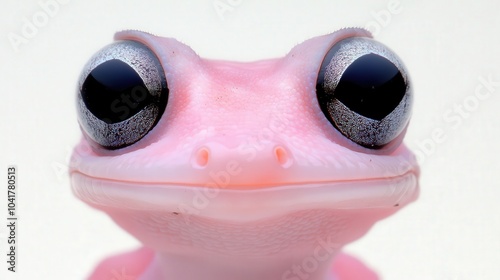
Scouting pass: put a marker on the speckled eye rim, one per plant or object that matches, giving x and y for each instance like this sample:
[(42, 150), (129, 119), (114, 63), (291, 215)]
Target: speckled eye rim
[(367, 132), (116, 135)]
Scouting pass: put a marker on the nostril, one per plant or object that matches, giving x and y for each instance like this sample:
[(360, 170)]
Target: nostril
[(201, 157), (282, 156)]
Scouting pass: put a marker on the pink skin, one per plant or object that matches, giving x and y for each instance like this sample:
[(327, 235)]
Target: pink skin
[(243, 177)]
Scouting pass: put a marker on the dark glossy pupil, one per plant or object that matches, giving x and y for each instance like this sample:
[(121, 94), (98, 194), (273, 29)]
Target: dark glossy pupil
[(371, 86), (114, 92)]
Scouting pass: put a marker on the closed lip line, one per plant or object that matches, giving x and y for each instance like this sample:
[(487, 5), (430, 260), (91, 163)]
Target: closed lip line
[(413, 173)]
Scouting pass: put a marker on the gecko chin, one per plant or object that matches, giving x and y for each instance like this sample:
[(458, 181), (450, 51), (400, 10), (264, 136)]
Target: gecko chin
[(269, 229)]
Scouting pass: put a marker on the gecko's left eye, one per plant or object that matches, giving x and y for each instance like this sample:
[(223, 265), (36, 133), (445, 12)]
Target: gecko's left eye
[(122, 94), (364, 91)]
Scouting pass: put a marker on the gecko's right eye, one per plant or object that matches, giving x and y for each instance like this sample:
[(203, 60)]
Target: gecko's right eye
[(122, 94)]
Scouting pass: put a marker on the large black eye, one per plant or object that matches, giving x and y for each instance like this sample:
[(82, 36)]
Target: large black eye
[(364, 91), (122, 94)]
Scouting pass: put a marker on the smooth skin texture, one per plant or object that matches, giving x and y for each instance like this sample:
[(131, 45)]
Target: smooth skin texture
[(243, 177)]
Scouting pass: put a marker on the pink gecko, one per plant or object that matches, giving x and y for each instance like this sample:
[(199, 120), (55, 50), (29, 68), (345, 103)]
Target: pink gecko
[(244, 171)]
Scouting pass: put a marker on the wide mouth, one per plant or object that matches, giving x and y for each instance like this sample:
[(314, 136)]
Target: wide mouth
[(236, 204)]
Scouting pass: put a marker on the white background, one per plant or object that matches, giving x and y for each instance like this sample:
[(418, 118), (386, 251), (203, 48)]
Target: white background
[(452, 232)]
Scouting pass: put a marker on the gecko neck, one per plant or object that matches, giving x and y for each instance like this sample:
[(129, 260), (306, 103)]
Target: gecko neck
[(314, 266)]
